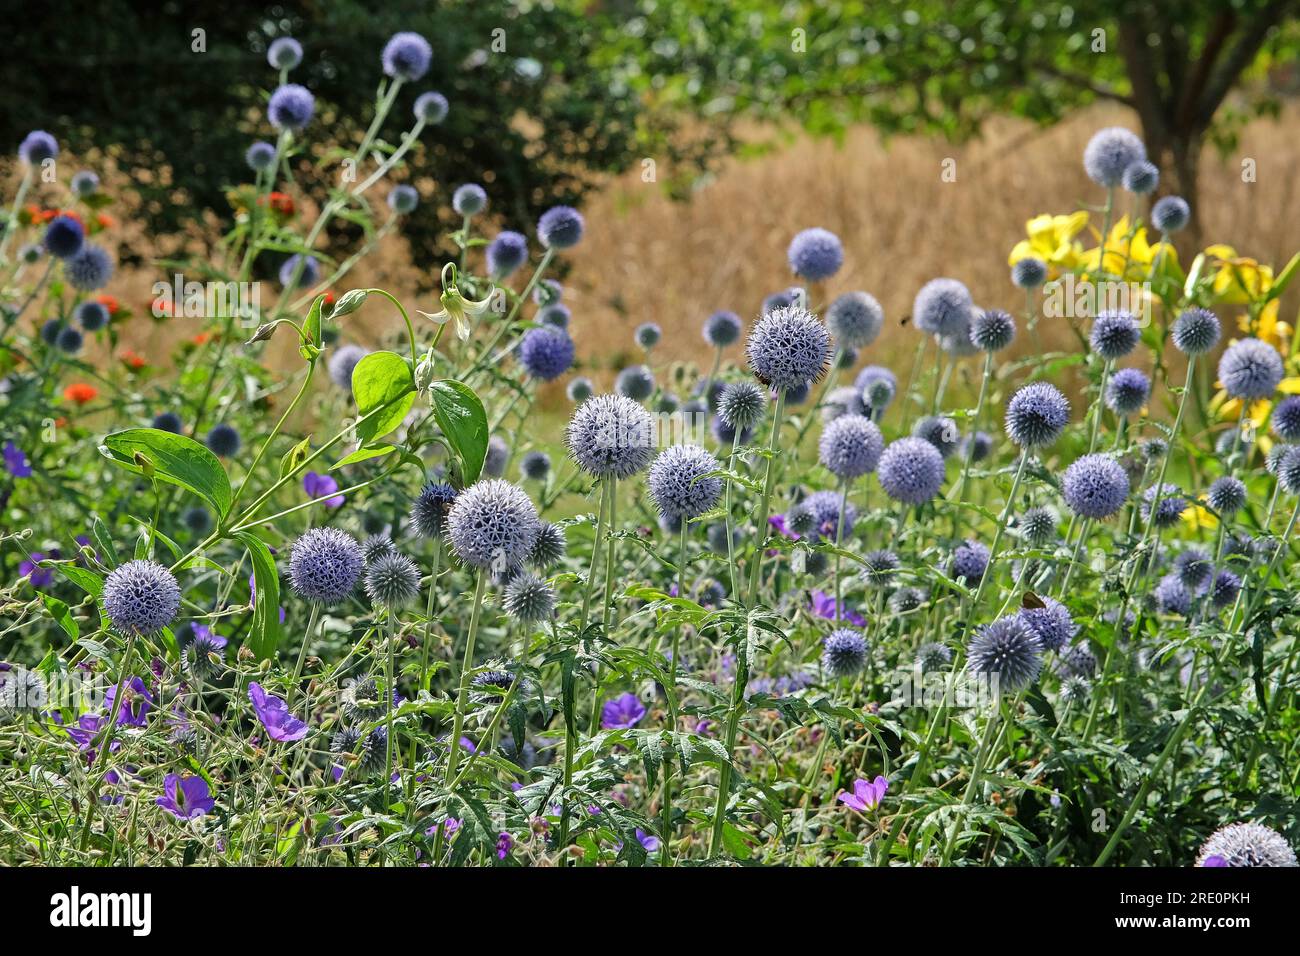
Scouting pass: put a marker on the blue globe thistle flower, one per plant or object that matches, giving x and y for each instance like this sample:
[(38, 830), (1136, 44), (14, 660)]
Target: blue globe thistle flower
[(878, 385), (1288, 471), (579, 389), (722, 329), (284, 53), (1227, 586), (1074, 689), (403, 199), (911, 470), (342, 362), (1285, 419), (198, 654), (1029, 273), (677, 483), (547, 292), (1141, 178), (1114, 334), (879, 567), (560, 227), (556, 314), (70, 340), (307, 277), (1172, 596), (1194, 567), (376, 546), (550, 547), (815, 254), (50, 332), (788, 348), (647, 335), (494, 461), (528, 598), (64, 237), (992, 330), (493, 524), (939, 431), (1109, 153), (943, 306), (844, 652), (1007, 652), (141, 597), (1153, 449), (819, 515), (546, 352), (1038, 526), (1250, 368), (1079, 661), (362, 698), (906, 599), (36, 147), (977, 445), (223, 440), (260, 156), (429, 512), (970, 560), (855, 320), (1171, 507), (724, 434), (636, 382), (469, 199), (1095, 486), (1051, 624), (430, 107), (1196, 331), (1246, 844), (407, 56), (845, 400), (1128, 391), (89, 269), (850, 447), (506, 253), (168, 422), (783, 300), (1227, 495), (392, 580), (1170, 213), (957, 343), (1036, 415), (742, 405), (291, 107), (933, 656), (610, 436), (325, 564), (93, 316), (374, 751), (84, 183)]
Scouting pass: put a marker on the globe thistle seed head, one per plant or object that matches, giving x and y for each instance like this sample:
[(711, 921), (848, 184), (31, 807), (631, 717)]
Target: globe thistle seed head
[(1114, 334), (611, 436), (1227, 495), (1285, 419), (1171, 507), (1128, 391), (198, 656), (494, 461), (141, 597), (305, 267), (431, 107), (1194, 567), (850, 446), (529, 598), (788, 349), (801, 521), (978, 445), (506, 253), (906, 599), (636, 382), (647, 335), (93, 316), (549, 548), (535, 466), (493, 524), (362, 699), (197, 519), (343, 362), (376, 546), (1250, 368), (1051, 624), (89, 269), (1141, 178), (64, 237), (469, 199), (992, 330), (291, 107), (844, 652), (819, 516), (1227, 585), (1288, 470), (911, 470), (37, 146), (742, 405), (1074, 689), (970, 560), (855, 320), (1079, 661), (1274, 458), (344, 740), (432, 504), (403, 198), (1170, 213), (546, 352), (325, 564), (284, 53), (1036, 415), (560, 227), (1172, 596), (1008, 651), (579, 389), (223, 440), (1095, 486), (70, 340), (722, 329), (1196, 331), (939, 431), (1246, 844), (933, 656), (677, 483), (943, 306), (406, 56), (168, 422), (260, 156), (1038, 526), (1029, 273), (374, 751), (1109, 153), (815, 254)]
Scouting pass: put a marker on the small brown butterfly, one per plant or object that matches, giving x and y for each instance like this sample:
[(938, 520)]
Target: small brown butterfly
[(1031, 601)]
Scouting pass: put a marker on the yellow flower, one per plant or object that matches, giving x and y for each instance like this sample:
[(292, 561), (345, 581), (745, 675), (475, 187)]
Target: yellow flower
[(1051, 238), (1268, 327), (1239, 280), (1130, 256), (1198, 516)]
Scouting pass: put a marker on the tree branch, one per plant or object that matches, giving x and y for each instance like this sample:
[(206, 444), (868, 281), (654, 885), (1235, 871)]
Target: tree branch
[(1241, 56), (1085, 82), (1222, 28)]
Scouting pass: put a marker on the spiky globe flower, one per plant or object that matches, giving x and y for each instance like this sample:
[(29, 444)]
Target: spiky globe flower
[(223, 440), (492, 684), (1128, 391), (546, 352), (579, 389), (1029, 272), (1250, 368), (469, 199), (1074, 689), (1172, 596), (677, 483), (560, 227), (1285, 419), (845, 400), (783, 299), (636, 382), (788, 349), (957, 343), (1169, 510), (977, 445), (535, 466), (403, 198), (1141, 178), (432, 504), (529, 598), (1246, 844), (260, 156), (141, 597), (742, 405), (1153, 449), (1109, 153), (906, 599), (850, 447), (1288, 471), (168, 422), (1095, 486), (197, 519), (344, 740), (722, 329), (343, 362), (911, 470), (933, 656), (1006, 651), (726, 435), (374, 751), (324, 565), (199, 653), (494, 460), (855, 320), (93, 316), (647, 335), (1170, 213), (37, 146), (879, 567), (430, 107), (1114, 334), (939, 431), (291, 107), (362, 698), (70, 340), (284, 53), (992, 330), (1051, 624), (1038, 526), (796, 395), (549, 548), (1194, 567), (970, 560), (1079, 661), (815, 254), (610, 436), (943, 306), (406, 56), (64, 237), (819, 516), (844, 652), (493, 524), (1227, 495), (1036, 415), (506, 253), (376, 546), (1196, 331), (89, 269), (1227, 586)]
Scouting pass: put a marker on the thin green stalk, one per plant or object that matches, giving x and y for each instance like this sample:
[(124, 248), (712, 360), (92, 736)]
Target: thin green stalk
[(765, 503)]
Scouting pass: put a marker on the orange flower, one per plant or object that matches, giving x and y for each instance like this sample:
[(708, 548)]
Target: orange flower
[(109, 302), (80, 392), (131, 358), (201, 338), (105, 220), (281, 203)]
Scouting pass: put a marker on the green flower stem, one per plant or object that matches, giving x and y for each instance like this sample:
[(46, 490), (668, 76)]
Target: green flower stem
[(467, 665), (389, 687), (666, 826), (266, 443), (981, 756), (428, 614), (302, 656), (997, 537), (765, 503), (733, 727), (731, 546), (969, 457), (478, 363), (105, 744), (407, 142), (608, 619), (839, 546)]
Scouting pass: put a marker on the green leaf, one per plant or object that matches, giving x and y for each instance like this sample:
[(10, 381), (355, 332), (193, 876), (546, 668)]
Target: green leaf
[(175, 459), (88, 581), (1284, 278), (104, 541), (382, 380), (311, 327), (62, 615), (265, 633), (735, 843), (463, 421), (363, 454)]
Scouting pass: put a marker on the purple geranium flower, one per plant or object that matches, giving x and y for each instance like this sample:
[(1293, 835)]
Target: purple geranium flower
[(866, 795), (824, 605), (136, 703), (185, 797), (16, 461), (40, 577), (778, 522), (317, 486), (622, 713), (1215, 860), (274, 715), (648, 840), (505, 843)]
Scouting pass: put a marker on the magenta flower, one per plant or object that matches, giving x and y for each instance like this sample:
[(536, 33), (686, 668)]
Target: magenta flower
[(505, 843), (16, 461), (185, 797), (136, 703), (622, 713), (274, 715), (823, 605), (317, 486), (865, 796)]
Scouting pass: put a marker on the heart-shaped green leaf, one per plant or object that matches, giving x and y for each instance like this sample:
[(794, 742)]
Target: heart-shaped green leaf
[(382, 380), (463, 420), (175, 459)]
